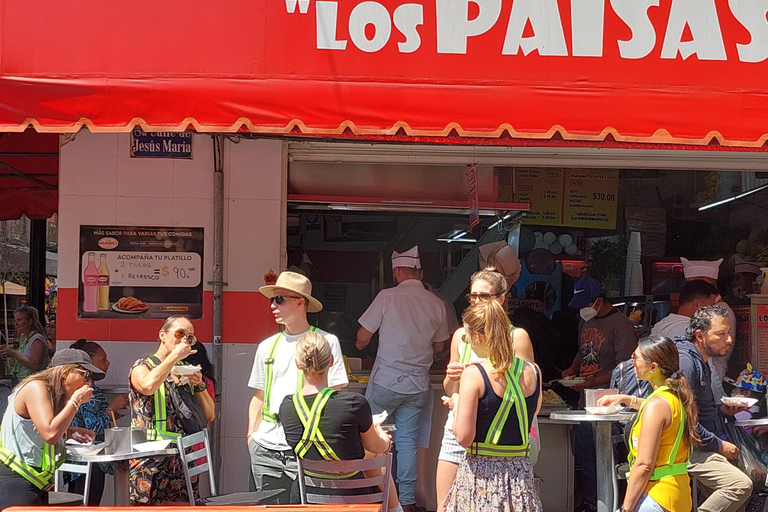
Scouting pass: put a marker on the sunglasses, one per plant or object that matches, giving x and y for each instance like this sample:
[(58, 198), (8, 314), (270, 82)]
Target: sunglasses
[(87, 374), (280, 299), (635, 357), (180, 335), (471, 297)]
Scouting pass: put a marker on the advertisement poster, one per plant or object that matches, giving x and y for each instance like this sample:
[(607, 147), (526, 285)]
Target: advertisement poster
[(591, 198), (136, 272), (543, 190)]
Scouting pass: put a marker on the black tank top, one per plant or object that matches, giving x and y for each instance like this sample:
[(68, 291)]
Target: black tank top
[(488, 406)]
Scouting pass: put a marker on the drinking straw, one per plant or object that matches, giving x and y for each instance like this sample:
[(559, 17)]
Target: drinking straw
[(112, 414)]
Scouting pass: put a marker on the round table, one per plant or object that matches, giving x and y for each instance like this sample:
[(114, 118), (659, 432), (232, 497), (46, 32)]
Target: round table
[(121, 482), (606, 472)]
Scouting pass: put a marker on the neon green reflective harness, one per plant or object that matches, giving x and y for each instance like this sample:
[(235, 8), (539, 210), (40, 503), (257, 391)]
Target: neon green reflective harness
[(312, 436), (672, 468), (160, 430), (266, 414), (512, 395), (41, 479)]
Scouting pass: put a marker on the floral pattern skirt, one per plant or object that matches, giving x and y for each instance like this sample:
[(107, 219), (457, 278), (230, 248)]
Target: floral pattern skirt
[(493, 483)]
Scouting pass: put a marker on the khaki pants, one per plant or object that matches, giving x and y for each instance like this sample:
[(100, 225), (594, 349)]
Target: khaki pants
[(727, 486)]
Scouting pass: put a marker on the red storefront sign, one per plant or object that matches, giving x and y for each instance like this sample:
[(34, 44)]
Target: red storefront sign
[(683, 71)]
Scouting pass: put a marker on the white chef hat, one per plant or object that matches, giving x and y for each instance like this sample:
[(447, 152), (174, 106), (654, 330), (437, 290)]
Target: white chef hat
[(501, 256), (409, 258), (693, 269), (740, 265)]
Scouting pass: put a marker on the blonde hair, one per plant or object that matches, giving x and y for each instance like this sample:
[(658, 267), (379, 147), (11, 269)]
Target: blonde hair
[(486, 322), (313, 353), (493, 277), (31, 313), (53, 378)]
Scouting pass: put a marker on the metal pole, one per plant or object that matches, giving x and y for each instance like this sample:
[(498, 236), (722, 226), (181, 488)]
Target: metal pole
[(37, 246), (218, 288)]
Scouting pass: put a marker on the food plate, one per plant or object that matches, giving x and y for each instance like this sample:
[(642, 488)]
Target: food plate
[(151, 446), (601, 411), (84, 449), (738, 401), (185, 369), (572, 382), (135, 312)]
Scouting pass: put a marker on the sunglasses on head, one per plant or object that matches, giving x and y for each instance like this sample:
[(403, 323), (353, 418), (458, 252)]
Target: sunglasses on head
[(87, 374), (480, 296), (280, 299), (180, 335)]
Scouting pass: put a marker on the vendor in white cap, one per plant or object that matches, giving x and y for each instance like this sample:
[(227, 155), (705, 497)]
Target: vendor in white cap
[(412, 326), (743, 283), (275, 375)]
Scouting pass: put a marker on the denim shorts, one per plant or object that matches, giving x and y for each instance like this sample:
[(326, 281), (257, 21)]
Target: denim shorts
[(648, 504)]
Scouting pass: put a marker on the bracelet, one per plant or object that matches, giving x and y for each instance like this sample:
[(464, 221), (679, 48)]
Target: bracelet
[(74, 403), (633, 402)]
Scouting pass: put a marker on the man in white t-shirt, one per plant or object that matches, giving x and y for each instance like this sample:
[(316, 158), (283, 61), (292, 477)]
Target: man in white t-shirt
[(412, 326), (275, 376), (694, 295)]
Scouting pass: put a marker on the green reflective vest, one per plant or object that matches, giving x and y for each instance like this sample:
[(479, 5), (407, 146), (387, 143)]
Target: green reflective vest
[(269, 362), (43, 478), (159, 429), (671, 468), (512, 395)]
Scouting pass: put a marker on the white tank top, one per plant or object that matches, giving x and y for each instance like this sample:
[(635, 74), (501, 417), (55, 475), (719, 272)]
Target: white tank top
[(20, 437)]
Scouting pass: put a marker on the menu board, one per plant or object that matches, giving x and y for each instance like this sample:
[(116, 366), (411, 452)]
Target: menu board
[(592, 198), (543, 190), (135, 272)]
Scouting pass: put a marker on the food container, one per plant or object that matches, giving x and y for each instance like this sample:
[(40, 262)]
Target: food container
[(118, 440), (592, 395)]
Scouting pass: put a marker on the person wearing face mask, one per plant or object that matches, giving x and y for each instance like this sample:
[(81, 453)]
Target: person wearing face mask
[(606, 338)]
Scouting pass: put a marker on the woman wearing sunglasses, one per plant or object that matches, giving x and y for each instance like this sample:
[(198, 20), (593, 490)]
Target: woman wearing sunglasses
[(36, 422), (157, 481), (485, 285), (663, 432)]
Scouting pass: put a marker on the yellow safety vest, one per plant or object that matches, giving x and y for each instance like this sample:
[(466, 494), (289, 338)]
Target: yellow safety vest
[(41, 479), (266, 414), (512, 395), (672, 468), (160, 422)]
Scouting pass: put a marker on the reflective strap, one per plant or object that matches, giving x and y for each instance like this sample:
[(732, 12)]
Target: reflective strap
[(495, 450), (161, 412), (672, 468), (310, 419), (465, 351), (266, 414), (40, 479), (512, 394)]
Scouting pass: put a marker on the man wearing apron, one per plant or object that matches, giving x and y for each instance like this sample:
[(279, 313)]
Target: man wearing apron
[(412, 326)]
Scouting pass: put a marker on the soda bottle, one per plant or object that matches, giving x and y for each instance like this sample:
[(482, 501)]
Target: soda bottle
[(91, 285), (103, 282)]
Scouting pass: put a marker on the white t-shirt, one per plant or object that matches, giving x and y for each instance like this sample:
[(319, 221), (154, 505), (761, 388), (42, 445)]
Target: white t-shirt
[(409, 319), (285, 377), (672, 326)]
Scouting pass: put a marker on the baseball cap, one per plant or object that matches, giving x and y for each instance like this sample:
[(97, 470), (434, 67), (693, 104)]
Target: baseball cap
[(586, 290), (78, 357)]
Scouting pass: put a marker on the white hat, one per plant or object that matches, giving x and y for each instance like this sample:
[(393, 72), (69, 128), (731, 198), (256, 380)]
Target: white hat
[(745, 266), (693, 269), (409, 258), (295, 283), (503, 258)]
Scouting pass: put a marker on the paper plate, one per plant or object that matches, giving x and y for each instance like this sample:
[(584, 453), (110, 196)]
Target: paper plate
[(598, 411), (571, 382), (185, 369), (738, 401)]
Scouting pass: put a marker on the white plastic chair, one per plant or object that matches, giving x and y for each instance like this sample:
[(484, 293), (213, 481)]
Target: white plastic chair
[(68, 467), (334, 468)]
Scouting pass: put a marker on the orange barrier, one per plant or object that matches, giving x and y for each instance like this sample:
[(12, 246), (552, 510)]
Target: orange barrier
[(255, 508)]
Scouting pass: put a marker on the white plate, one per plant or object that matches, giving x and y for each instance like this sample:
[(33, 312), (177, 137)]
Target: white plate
[(84, 449), (738, 401), (136, 312), (571, 382), (185, 369), (151, 446), (599, 411)]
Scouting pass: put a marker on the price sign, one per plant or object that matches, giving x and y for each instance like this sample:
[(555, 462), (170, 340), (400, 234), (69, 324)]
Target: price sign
[(151, 269), (591, 198), (543, 190)]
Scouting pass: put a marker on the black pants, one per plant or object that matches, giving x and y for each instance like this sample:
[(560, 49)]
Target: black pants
[(15, 490), (97, 486)]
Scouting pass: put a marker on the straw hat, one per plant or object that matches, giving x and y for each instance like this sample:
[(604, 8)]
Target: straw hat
[(297, 284)]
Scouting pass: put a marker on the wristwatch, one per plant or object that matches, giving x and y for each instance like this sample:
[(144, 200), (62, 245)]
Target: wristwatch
[(200, 387)]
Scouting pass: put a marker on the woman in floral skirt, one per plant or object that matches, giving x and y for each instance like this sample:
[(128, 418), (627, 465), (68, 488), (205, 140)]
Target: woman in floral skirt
[(493, 412)]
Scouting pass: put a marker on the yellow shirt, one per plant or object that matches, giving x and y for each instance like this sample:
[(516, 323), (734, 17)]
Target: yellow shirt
[(672, 492)]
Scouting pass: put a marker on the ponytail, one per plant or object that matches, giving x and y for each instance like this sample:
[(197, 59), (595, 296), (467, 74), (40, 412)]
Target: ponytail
[(487, 322), (682, 388)]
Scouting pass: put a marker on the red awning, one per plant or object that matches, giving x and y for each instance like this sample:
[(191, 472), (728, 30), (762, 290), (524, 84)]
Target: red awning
[(29, 175), (686, 72)]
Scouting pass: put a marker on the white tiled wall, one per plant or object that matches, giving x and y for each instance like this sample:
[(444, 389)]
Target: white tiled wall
[(100, 184)]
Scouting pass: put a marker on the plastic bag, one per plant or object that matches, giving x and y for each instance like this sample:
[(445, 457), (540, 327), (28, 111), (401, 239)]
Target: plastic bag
[(753, 460)]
